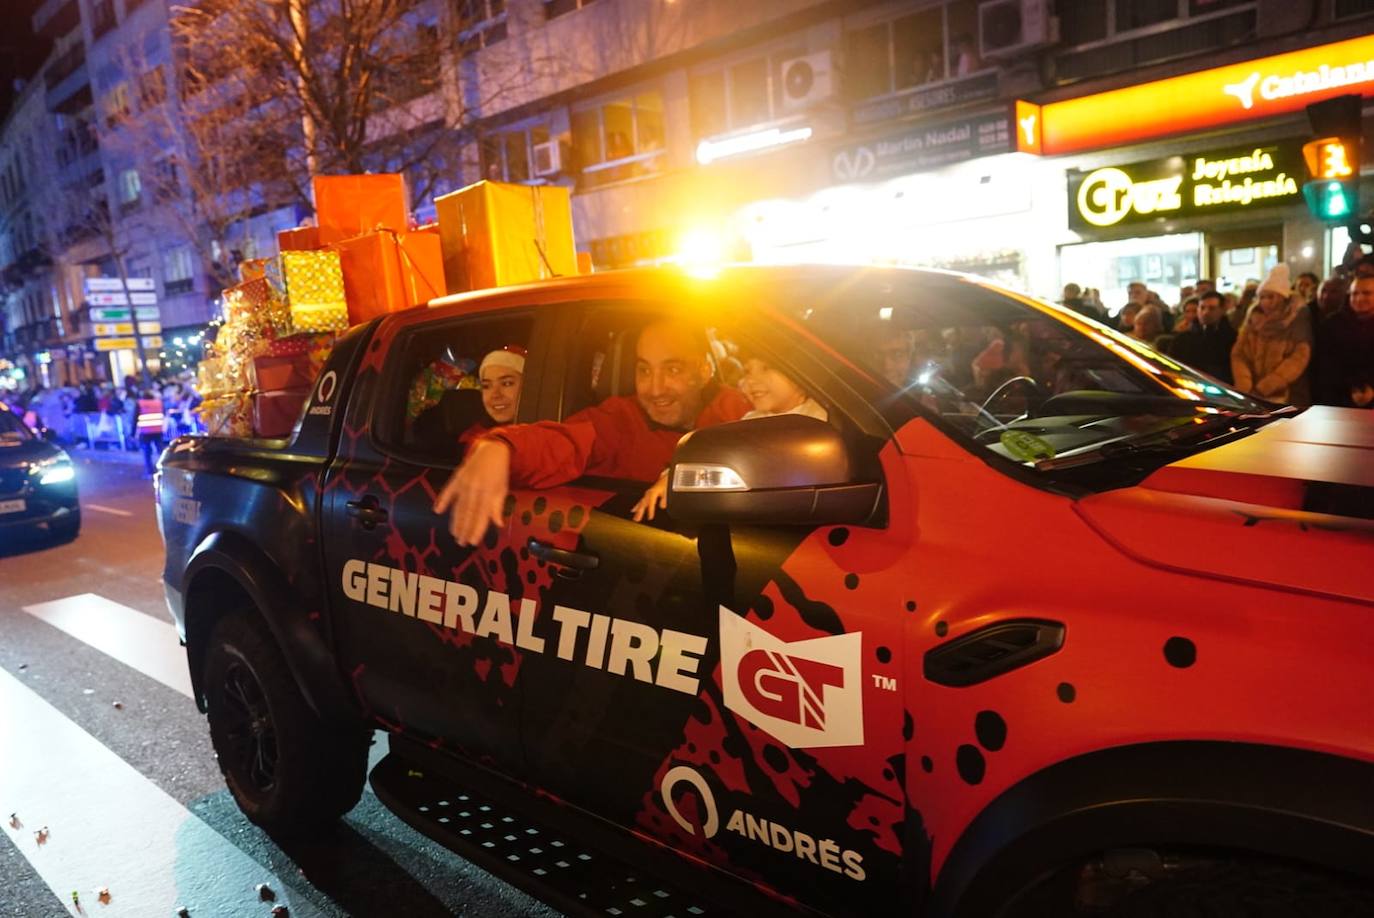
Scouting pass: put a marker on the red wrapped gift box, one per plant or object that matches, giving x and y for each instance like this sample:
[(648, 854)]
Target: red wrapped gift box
[(385, 272), (356, 204), (296, 371), (275, 413)]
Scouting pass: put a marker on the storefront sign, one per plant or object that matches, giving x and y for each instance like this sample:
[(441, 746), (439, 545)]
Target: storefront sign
[(150, 342), (922, 147), (954, 92), (1186, 186), (1277, 85)]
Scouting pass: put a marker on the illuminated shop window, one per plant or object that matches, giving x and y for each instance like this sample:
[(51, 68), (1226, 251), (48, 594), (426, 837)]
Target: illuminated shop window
[(929, 46), (620, 139)]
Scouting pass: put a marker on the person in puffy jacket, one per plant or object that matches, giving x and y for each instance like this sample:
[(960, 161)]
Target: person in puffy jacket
[(1275, 345)]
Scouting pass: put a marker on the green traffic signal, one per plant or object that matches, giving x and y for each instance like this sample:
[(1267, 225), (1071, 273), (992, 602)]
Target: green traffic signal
[(1330, 200)]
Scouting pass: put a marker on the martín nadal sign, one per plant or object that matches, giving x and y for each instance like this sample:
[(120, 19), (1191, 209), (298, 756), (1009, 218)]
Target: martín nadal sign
[(1184, 186)]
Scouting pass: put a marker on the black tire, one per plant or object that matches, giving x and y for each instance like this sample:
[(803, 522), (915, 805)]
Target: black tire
[(289, 771), (67, 529), (1249, 889)]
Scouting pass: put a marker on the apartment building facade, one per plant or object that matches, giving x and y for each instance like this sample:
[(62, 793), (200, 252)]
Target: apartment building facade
[(820, 130), (887, 131)]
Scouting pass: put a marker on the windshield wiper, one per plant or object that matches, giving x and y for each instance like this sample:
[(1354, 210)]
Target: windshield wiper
[(1182, 437)]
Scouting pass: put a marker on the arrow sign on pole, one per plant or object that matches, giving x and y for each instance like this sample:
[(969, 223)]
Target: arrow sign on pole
[(113, 285), (119, 299)]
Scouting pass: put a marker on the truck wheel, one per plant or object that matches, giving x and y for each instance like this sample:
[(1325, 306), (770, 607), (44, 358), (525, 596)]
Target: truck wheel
[(1254, 889), (289, 771)]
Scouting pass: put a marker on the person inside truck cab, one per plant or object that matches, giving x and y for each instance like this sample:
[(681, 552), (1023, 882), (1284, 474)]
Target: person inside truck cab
[(502, 375), (771, 392), (622, 437)]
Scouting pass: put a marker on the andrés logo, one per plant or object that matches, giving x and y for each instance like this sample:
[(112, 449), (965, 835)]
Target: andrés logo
[(823, 852), (807, 694)]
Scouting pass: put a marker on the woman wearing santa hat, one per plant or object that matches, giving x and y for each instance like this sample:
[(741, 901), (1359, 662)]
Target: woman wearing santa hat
[(502, 374), (1271, 355)]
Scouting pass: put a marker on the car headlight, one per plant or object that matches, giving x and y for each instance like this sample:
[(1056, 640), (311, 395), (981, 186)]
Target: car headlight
[(54, 471)]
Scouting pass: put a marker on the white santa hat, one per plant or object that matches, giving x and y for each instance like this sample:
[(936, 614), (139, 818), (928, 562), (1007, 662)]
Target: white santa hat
[(1278, 281), (512, 358)]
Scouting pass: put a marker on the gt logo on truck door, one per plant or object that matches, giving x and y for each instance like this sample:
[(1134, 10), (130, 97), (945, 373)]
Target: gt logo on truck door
[(807, 694)]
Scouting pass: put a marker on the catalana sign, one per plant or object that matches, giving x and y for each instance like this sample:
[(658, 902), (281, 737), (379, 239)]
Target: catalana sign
[(1185, 186), (1277, 85)]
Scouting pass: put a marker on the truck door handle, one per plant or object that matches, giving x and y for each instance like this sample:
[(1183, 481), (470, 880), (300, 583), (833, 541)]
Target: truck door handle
[(567, 564), (368, 512)]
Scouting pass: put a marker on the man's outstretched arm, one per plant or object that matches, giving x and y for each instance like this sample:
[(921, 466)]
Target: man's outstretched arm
[(476, 491)]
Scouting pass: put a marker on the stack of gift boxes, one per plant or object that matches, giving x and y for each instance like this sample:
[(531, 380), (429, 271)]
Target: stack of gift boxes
[(361, 260)]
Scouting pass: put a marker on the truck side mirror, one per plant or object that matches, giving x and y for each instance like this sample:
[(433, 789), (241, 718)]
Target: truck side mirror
[(777, 470)]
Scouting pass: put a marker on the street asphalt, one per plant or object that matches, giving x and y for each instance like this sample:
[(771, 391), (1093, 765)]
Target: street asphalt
[(373, 864)]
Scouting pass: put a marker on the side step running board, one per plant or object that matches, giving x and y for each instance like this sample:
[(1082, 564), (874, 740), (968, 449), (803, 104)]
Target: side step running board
[(545, 863)]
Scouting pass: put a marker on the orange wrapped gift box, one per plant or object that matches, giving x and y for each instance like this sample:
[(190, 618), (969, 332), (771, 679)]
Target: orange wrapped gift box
[(387, 271), (357, 204), (495, 233)]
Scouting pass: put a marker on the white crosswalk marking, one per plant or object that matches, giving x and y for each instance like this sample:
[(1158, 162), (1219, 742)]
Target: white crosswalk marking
[(114, 511), (137, 640), (111, 827)]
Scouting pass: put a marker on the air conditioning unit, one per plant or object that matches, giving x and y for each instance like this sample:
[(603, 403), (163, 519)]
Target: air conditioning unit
[(806, 80), (547, 158), (1010, 27)]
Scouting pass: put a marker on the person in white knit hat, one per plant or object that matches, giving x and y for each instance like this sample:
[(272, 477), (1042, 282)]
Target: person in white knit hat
[(502, 375), (1275, 345)]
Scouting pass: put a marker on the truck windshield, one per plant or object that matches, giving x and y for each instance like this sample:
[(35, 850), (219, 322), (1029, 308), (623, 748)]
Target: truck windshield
[(1033, 382)]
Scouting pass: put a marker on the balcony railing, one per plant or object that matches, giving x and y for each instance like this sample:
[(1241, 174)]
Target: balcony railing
[(66, 65)]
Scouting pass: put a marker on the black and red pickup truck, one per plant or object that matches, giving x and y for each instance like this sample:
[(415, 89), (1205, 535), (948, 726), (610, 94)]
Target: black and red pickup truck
[(1040, 623)]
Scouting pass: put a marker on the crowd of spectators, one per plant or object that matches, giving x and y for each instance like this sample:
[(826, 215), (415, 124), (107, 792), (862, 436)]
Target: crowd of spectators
[(1299, 341), (102, 415)]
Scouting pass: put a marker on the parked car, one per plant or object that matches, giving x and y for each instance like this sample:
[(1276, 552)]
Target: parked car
[(37, 482), (1036, 621)]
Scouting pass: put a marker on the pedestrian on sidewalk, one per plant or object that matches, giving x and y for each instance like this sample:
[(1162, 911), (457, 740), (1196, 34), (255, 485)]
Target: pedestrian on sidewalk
[(149, 426)]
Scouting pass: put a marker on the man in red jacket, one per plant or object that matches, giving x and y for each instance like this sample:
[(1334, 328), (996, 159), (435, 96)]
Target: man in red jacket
[(623, 437)]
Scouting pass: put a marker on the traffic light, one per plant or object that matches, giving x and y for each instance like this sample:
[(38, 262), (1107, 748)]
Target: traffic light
[(1333, 160)]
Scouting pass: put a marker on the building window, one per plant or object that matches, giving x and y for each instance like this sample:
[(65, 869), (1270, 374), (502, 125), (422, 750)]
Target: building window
[(739, 96), (555, 8), (619, 140), (152, 88), (928, 46), (179, 270), (1108, 36), (116, 104), (102, 17), (481, 24), (130, 189), (521, 155), (1346, 8)]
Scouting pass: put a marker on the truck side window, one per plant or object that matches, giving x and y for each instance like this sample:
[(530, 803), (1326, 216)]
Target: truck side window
[(454, 381)]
